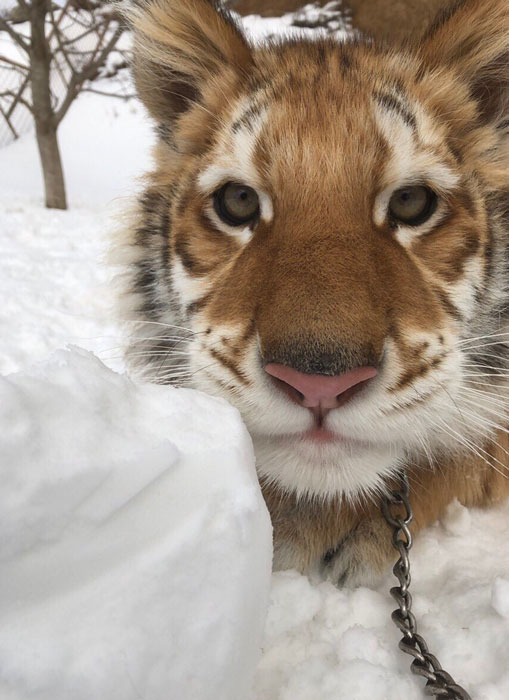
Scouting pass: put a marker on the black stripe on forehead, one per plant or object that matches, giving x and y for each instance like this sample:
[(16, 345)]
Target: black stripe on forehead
[(246, 118), (394, 104)]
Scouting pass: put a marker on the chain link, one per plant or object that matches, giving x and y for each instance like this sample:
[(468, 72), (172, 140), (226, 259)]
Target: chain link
[(397, 511)]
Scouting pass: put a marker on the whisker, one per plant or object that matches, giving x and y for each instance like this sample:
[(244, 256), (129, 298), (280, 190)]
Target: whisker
[(485, 345), (139, 322), (472, 447), (499, 375), (482, 337), (151, 353), (188, 374), (470, 365), (481, 395), (483, 419)]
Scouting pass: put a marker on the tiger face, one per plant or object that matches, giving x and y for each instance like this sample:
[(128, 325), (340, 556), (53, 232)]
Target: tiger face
[(323, 241)]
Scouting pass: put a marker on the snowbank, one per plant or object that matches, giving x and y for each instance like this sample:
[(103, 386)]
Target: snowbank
[(135, 546)]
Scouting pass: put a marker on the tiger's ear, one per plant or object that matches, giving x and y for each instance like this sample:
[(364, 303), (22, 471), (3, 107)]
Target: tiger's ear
[(472, 37), (180, 46)]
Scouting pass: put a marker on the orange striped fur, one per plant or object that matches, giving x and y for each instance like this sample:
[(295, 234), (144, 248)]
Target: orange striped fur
[(324, 278)]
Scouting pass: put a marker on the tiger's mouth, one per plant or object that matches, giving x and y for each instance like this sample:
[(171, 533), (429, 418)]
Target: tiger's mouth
[(321, 432), (319, 435), (323, 435)]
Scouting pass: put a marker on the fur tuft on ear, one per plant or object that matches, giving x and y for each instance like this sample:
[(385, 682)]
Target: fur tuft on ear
[(472, 37), (179, 46)]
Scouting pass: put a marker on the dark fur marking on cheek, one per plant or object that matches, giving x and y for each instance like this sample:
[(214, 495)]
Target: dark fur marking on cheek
[(224, 385), (419, 399), (191, 264), (250, 331), (213, 229), (409, 376), (146, 282), (469, 247), (199, 304), (151, 273), (489, 250), (239, 347), (447, 304), (165, 230), (182, 250), (467, 202), (165, 133), (229, 364)]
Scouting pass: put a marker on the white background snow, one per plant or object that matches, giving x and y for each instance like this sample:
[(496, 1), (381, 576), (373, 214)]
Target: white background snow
[(134, 547)]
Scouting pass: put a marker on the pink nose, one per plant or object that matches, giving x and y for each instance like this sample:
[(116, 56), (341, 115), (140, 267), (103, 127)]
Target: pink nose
[(319, 390)]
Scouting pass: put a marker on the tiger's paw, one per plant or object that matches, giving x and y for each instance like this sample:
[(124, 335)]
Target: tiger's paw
[(361, 558)]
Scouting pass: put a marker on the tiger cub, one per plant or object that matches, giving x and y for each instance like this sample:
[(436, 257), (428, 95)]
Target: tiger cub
[(323, 242)]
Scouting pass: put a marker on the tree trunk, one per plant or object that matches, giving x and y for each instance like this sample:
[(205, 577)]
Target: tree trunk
[(45, 123)]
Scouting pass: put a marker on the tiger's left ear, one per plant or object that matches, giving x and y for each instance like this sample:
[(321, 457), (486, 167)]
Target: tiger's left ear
[(180, 48), (472, 37)]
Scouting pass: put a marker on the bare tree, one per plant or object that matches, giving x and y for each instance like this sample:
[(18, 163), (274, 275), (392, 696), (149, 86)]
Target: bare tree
[(69, 43)]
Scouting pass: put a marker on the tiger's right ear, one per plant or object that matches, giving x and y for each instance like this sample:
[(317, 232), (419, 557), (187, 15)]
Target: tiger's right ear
[(179, 47), (472, 38)]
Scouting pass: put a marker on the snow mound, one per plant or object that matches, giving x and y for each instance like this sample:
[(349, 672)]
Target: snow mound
[(135, 545)]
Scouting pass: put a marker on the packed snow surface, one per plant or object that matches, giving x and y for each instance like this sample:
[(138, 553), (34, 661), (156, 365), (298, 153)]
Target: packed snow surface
[(135, 545), (91, 530)]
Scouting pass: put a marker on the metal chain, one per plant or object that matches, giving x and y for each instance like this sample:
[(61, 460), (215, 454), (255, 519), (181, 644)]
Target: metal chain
[(398, 513)]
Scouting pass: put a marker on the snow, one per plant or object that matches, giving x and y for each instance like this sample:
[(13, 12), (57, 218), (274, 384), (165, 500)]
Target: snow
[(500, 596), (133, 542), (98, 165), (339, 644), (323, 21), (143, 528)]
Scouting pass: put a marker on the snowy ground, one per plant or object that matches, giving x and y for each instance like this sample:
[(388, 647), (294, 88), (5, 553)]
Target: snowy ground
[(320, 643)]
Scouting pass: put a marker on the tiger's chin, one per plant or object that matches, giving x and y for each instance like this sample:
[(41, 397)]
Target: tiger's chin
[(321, 463)]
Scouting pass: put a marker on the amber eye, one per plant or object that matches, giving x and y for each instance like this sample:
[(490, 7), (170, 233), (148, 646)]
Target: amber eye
[(412, 205), (236, 204)]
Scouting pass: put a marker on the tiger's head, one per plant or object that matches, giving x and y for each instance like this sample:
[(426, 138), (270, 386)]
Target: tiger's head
[(323, 240)]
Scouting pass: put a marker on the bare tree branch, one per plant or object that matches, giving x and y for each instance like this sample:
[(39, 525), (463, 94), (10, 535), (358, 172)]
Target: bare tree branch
[(18, 99), (15, 36), (21, 90), (91, 30), (59, 41), (9, 123), (119, 96), (87, 73), (15, 64)]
